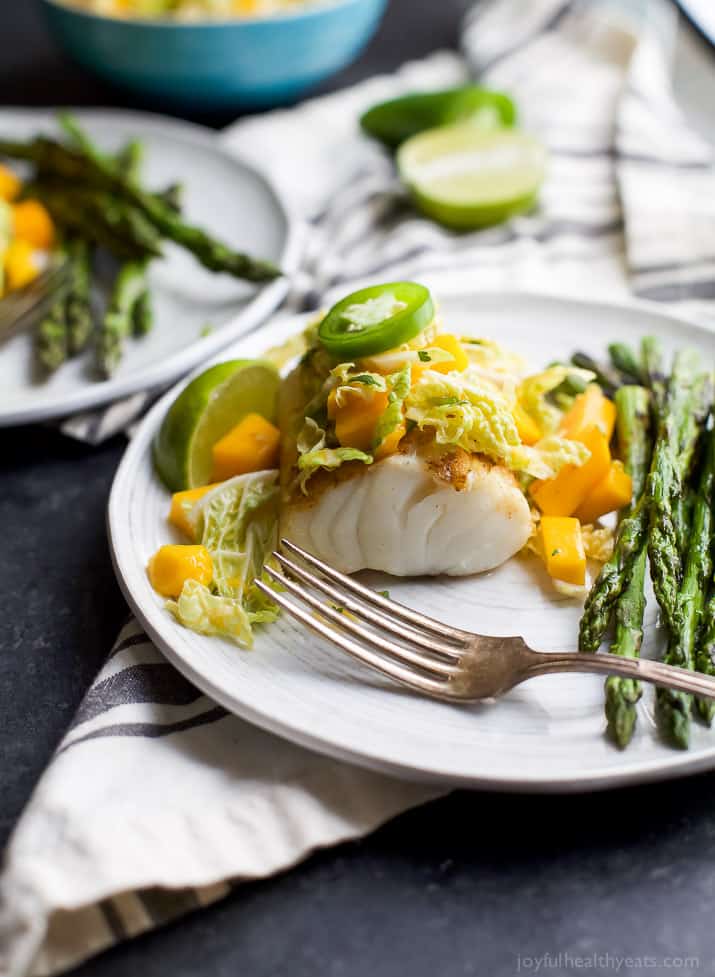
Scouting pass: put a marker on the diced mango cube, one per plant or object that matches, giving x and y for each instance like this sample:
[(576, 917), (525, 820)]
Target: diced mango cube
[(181, 505), (31, 222), (390, 444), (357, 414), (20, 266), (527, 427), (563, 549), (612, 492), (251, 446), (589, 409), (450, 344), (10, 183), (171, 566), (561, 496)]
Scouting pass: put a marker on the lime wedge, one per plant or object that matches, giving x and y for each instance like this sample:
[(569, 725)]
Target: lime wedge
[(205, 410), (465, 177)]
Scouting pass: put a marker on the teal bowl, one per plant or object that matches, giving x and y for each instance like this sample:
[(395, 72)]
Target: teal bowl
[(215, 65)]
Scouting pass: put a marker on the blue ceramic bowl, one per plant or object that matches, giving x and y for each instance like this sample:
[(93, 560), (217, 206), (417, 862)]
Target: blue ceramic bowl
[(219, 64)]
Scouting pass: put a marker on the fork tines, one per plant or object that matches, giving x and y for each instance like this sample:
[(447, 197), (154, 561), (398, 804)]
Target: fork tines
[(363, 623), (16, 307)]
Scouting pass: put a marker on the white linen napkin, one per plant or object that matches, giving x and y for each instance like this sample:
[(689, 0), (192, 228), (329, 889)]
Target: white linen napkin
[(157, 801)]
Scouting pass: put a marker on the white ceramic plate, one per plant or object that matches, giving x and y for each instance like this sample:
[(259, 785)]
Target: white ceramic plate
[(545, 735), (701, 13), (222, 194)]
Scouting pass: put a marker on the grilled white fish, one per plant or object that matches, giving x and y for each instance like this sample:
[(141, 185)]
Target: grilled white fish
[(425, 510)]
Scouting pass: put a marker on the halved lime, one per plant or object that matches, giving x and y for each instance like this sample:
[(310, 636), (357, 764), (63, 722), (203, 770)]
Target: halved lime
[(205, 410), (465, 177)]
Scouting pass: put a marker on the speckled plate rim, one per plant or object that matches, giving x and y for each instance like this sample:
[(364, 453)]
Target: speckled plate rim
[(266, 300), (159, 626)]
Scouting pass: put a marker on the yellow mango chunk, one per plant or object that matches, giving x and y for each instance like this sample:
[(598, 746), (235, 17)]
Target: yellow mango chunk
[(10, 183), (251, 446), (450, 344), (31, 222), (458, 359), (357, 415), (20, 266), (390, 444), (528, 429), (181, 505), (171, 566), (589, 409), (561, 496), (563, 549), (612, 492)]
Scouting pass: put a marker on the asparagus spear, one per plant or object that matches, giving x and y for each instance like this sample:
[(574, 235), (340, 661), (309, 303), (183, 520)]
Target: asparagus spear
[(172, 196), (52, 343), (632, 530), (118, 320), (673, 707), (142, 314), (678, 431), (611, 581), (622, 694), (100, 217), (78, 310), (705, 653), (130, 159), (652, 370), (86, 166), (624, 360), (607, 379)]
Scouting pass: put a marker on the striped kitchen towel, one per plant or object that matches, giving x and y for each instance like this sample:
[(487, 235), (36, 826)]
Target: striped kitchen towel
[(157, 801)]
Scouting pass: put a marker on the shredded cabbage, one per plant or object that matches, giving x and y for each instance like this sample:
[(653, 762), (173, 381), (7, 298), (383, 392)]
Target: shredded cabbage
[(532, 394), (206, 613), (598, 542), (328, 458), (492, 360), (351, 382), (395, 360), (398, 385), (472, 409), (238, 523), (313, 453), (549, 455), (472, 413)]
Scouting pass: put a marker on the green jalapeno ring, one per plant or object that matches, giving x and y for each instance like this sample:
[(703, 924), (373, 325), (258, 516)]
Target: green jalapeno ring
[(366, 322)]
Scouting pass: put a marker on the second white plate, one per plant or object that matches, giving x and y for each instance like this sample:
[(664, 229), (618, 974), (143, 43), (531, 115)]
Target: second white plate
[(545, 735), (222, 194)]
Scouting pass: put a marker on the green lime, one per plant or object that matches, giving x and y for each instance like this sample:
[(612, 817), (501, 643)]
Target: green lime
[(205, 410), (465, 177), (394, 121)]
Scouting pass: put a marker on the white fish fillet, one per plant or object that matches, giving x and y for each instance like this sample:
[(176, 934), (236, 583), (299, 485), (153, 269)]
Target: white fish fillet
[(422, 511)]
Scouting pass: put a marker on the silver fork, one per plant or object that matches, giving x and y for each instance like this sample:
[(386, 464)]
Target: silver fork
[(428, 656), (16, 307)]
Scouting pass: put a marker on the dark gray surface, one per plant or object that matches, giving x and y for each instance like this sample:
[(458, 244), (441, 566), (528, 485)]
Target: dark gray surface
[(473, 884)]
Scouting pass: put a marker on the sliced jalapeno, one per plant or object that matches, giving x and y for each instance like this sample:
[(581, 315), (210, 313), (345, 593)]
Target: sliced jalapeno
[(373, 320), (395, 121)]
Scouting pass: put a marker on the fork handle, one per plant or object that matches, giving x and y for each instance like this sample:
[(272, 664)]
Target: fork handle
[(669, 676)]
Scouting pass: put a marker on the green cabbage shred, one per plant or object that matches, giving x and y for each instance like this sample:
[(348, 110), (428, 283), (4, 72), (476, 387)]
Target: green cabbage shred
[(238, 522)]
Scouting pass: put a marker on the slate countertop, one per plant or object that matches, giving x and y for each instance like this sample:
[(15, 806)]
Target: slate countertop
[(478, 883)]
